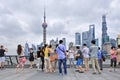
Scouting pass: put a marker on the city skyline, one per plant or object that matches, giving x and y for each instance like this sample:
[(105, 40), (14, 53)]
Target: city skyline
[(21, 20)]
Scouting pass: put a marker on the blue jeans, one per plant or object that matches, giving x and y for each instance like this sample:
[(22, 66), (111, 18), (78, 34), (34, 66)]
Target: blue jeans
[(71, 62), (100, 63), (60, 62)]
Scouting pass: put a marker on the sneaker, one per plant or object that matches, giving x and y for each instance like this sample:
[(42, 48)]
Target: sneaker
[(42, 69), (38, 69), (76, 70), (30, 67), (94, 73), (99, 72), (101, 69), (110, 70), (2, 68), (81, 72)]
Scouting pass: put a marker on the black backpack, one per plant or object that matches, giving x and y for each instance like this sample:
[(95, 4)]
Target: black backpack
[(103, 56)]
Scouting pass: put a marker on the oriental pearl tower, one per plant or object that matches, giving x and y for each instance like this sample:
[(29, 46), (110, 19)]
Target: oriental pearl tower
[(44, 25)]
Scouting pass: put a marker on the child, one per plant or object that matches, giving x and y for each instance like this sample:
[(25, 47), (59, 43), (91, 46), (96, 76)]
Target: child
[(71, 57), (31, 58)]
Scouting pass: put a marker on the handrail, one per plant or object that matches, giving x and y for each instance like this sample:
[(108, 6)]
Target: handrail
[(10, 58)]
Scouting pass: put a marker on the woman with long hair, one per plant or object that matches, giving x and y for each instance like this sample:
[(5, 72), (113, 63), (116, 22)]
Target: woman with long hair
[(21, 58), (46, 58)]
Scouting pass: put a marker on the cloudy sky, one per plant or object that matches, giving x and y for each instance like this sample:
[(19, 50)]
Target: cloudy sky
[(21, 20)]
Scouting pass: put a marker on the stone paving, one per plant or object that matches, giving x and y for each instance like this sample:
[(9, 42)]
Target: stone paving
[(33, 74)]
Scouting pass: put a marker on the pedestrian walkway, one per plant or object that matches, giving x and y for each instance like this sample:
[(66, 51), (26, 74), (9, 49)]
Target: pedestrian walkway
[(33, 74)]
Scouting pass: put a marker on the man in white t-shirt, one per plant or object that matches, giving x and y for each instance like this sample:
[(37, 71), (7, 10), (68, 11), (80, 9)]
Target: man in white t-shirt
[(85, 52)]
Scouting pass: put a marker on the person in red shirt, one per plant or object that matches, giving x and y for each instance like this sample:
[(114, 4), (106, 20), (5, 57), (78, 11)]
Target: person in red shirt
[(113, 58)]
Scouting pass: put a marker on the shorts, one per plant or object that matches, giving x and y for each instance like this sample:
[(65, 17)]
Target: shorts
[(2, 59), (31, 59), (79, 62)]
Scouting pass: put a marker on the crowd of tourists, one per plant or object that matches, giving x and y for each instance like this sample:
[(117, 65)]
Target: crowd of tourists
[(49, 59)]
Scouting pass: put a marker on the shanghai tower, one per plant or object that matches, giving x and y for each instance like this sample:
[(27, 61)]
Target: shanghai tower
[(105, 37)]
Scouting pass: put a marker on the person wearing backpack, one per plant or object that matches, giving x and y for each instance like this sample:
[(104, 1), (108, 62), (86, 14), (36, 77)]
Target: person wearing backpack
[(100, 61)]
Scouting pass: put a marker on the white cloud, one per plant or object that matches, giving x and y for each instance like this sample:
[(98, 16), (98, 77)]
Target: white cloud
[(21, 20)]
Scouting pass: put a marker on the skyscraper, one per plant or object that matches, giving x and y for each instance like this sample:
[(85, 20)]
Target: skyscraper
[(44, 25), (26, 49), (91, 33), (105, 37), (34, 48), (70, 45), (85, 37), (77, 39), (56, 40), (107, 47), (97, 42), (113, 42), (64, 41), (118, 40), (53, 43), (88, 36)]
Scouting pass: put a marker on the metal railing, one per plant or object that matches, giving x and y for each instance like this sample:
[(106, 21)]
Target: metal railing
[(12, 59)]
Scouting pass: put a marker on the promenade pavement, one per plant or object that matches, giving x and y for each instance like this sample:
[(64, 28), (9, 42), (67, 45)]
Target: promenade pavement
[(33, 74)]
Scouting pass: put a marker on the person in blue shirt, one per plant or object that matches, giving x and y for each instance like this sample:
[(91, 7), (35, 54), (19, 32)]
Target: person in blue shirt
[(61, 51), (100, 61)]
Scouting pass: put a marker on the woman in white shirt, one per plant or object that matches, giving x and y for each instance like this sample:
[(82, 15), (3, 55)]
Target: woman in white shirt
[(21, 57), (71, 57)]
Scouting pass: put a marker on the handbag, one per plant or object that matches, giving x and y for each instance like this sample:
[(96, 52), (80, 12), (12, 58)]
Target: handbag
[(76, 58), (52, 59), (56, 56), (23, 59), (103, 57)]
